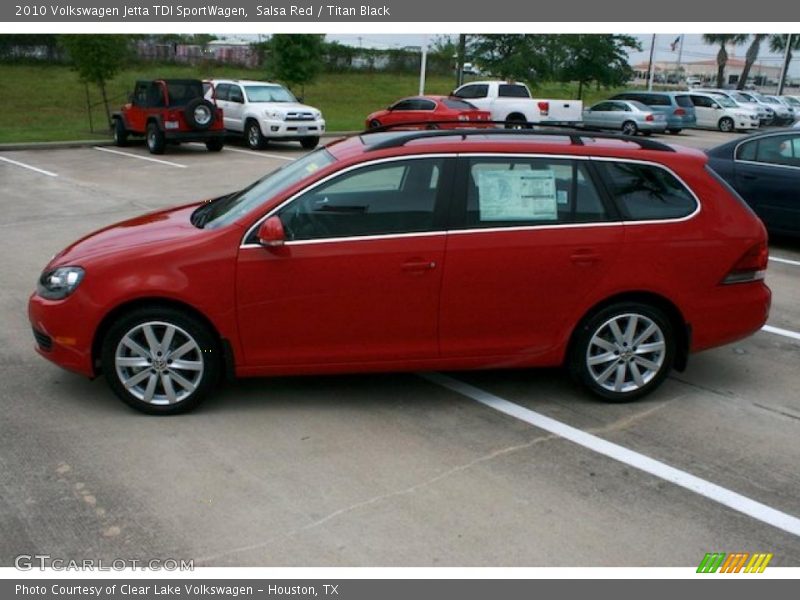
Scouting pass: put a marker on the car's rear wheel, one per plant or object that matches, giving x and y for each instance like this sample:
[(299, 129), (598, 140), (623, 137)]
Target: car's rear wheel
[(309, 143), (623, 351), (215, 145), (674, 131), (155, 139), (160, 360), (255, 139), (629, 128), (120, 133), (516, 121), (726, 125)]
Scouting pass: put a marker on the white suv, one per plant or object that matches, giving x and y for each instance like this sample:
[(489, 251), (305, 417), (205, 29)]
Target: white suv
[(264, 111), (720, 112)]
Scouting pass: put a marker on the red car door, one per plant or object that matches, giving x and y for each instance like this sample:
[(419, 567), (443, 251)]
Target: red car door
[(533, 241), (359, 277)]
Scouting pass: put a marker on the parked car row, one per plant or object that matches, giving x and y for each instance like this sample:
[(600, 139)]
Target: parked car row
[(190, 110)]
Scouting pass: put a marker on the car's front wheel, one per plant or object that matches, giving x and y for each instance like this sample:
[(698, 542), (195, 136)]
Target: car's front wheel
[(120, 133), (726, 125), (255, 139), (309, 143), (623, 351), (160, 360)]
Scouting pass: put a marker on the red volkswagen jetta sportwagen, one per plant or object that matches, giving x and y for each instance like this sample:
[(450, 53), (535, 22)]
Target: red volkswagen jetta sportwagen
[(423, 250)]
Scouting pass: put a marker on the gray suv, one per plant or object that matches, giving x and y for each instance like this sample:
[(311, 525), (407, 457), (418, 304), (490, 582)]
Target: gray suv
[(677, 107)]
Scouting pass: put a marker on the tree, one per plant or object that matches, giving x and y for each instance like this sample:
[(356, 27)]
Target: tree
[(508, 56), (97, 58), (722, 55), (750, 58), (597, 58), (295, 59), (777, 43)]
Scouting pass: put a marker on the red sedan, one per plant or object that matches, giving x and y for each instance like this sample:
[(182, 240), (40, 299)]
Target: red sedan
[(427, 109)]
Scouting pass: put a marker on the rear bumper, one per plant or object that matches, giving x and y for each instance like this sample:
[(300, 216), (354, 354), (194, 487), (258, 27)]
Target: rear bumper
[(194, 136), (732, 313)]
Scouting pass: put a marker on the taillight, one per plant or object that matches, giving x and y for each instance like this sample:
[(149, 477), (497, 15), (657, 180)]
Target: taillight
[(752, 266), (679, 112), (544, 108), (649, 118)]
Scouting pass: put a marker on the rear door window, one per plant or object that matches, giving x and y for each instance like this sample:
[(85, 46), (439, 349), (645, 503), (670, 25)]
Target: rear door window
[(646, 192), (775, 150), (506, 90), (512, 192)]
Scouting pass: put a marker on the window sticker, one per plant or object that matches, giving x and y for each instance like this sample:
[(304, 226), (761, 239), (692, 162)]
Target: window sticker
[(517, 196), (563, 199)]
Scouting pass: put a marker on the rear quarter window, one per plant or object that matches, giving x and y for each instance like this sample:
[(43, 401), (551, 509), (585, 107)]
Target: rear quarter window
[(684, 101), (646, 192), (512, 91)]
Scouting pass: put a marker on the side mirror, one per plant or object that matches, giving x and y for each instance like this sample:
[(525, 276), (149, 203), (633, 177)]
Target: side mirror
[(300, 99), (131, 98), (271, 234)]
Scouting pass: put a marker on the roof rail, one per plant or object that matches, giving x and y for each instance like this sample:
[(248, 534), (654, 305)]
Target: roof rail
[(468, 128)]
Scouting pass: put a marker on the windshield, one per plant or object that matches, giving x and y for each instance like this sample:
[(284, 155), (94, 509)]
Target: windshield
[(792, 101), (725, 101), (227, 209), (741, 97), (268, 93)]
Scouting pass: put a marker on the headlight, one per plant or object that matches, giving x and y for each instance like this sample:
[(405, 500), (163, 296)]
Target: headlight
[(317, 115), (59, 283), (274, 114)]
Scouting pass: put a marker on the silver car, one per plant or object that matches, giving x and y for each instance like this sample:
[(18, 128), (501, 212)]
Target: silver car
[(629, 116)]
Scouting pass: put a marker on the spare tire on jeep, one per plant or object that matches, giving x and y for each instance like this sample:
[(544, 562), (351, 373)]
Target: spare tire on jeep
[(199, 113)]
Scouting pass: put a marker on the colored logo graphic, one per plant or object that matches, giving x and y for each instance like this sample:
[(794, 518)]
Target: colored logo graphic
[(734, 563)]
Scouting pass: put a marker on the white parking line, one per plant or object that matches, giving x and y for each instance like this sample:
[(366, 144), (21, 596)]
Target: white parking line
[(128, 154), (785, 261), (778, 331), (724, 496), (32, 168), (250, 152)]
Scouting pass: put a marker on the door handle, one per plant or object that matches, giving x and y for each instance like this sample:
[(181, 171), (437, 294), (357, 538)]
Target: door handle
[(585, 257), (418, 265)]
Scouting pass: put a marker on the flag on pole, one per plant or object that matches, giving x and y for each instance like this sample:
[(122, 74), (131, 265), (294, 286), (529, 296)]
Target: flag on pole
[(674, 44)]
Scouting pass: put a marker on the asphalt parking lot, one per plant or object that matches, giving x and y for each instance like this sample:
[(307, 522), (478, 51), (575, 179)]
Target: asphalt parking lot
[(378, 470)]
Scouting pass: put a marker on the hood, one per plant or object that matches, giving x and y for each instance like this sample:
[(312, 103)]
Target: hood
[(130, 236), (285, 106)]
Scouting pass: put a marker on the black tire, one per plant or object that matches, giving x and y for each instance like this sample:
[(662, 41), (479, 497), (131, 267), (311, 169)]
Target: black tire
[(516, 121), (647, 133), (309, 143), (629, 128), (120, 133), (199, 113), (616, 363), (727, 125), (253, 136), (374, 124), (215, 145), (155, 138), (157, 376), (674, 131)]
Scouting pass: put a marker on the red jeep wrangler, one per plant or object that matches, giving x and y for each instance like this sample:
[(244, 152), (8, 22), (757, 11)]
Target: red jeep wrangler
[(170, 110)]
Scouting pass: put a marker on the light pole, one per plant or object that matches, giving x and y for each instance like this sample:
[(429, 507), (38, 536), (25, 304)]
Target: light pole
[(652, 66)]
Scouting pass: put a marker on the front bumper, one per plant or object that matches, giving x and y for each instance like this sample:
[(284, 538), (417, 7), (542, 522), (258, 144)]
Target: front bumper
[(292, 130), (62, 333)]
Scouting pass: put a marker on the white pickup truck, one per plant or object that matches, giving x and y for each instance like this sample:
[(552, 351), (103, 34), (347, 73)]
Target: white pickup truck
[(513, 102)]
